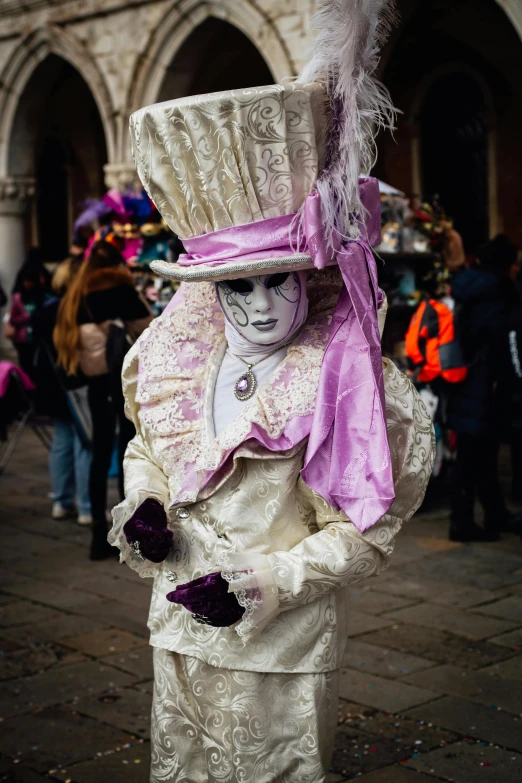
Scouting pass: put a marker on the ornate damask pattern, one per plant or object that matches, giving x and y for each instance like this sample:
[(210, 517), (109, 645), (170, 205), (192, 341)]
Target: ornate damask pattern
[(225, 159), (213, 725), (176, 358), (412, 441), (255, 504), (339, 555)]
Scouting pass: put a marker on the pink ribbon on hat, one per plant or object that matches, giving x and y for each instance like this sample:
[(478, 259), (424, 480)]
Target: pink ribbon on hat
[(347, 460), (249, 242)]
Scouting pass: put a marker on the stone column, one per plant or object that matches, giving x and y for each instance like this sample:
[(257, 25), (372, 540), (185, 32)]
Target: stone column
[(15, 196), (121, 176)]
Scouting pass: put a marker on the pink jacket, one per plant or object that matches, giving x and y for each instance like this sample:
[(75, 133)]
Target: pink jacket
[(19, 318)]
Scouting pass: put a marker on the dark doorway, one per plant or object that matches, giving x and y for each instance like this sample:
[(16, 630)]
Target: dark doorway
[(455, 154), (58, 138), (215, 56), (52, 199)]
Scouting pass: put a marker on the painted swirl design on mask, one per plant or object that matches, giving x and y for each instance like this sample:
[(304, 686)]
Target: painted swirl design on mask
[(236, 295), (289, 289)]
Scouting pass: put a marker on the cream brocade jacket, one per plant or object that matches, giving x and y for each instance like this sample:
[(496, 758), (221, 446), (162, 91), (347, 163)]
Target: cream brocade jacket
[(289, 555)]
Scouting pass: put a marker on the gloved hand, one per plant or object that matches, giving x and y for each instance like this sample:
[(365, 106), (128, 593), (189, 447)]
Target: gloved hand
[(209, 601), (147, 533)]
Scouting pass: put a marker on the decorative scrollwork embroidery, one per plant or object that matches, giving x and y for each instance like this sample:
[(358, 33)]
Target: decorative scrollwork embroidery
[(175, 359)]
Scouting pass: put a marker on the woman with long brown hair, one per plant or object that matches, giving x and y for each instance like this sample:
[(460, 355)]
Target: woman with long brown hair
[(99, 317), (70, 455)]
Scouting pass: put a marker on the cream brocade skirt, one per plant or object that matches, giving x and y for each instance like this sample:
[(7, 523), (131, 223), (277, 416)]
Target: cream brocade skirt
[(213, 725)]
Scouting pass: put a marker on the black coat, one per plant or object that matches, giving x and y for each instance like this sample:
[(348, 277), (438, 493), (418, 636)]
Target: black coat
[(480, 310), (109, 299), (50, 380), (508, 358), (111, 296)]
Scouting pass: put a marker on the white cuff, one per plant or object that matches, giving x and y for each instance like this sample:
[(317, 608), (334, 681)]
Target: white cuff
[(120, 516), (250, 579)]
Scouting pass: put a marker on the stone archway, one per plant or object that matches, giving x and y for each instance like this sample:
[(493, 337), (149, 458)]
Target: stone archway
[(32, 50), (54, 150), (57, 138), (236, 63), (408, 8), (470, 126), (474, 40), (183, 18), (454, 154), (20, 98)]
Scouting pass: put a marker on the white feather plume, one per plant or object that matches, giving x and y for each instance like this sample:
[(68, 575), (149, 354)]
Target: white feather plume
[(344, 56)]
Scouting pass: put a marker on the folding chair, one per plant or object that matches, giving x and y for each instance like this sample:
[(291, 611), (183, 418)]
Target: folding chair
[(17, 408)]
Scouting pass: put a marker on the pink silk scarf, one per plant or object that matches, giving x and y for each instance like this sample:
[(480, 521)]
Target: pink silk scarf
[(347, 460), (348, 457)]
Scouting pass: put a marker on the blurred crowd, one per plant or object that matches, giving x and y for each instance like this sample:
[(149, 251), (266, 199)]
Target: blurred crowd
[(463, 351), (71, 331)]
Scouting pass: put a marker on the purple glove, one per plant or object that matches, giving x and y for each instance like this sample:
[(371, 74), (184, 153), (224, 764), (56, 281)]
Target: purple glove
[(147, 533), (209, 601)]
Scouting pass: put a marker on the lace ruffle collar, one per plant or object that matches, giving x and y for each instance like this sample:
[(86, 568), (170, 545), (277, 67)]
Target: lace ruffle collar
[(178, 359)]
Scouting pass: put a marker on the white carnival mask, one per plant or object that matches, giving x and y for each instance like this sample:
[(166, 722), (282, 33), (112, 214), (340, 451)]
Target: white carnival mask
[(265, 309)]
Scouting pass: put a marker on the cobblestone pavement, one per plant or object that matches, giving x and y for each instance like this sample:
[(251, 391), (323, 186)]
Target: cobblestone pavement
[(431, 689)]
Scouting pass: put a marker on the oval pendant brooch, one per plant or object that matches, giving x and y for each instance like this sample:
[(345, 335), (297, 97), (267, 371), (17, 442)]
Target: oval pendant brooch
[(245, 386)]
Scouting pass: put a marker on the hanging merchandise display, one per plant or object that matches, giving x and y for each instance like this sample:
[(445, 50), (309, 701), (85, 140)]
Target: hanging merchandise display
[(255, 499), (129, 220)]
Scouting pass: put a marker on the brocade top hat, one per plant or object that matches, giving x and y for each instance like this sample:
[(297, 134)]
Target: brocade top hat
[(267, 178), (228, 171)]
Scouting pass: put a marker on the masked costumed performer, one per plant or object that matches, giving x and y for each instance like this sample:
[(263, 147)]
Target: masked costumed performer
[(277, 455)]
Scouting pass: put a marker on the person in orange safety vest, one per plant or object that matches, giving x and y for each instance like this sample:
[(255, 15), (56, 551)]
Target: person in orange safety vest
[(432, 345)]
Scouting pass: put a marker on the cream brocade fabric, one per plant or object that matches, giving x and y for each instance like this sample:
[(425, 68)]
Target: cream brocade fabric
[(218, 725), (225, 159), (256, 513)]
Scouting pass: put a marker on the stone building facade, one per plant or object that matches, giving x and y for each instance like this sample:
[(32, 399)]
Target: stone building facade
[(71, 72)]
